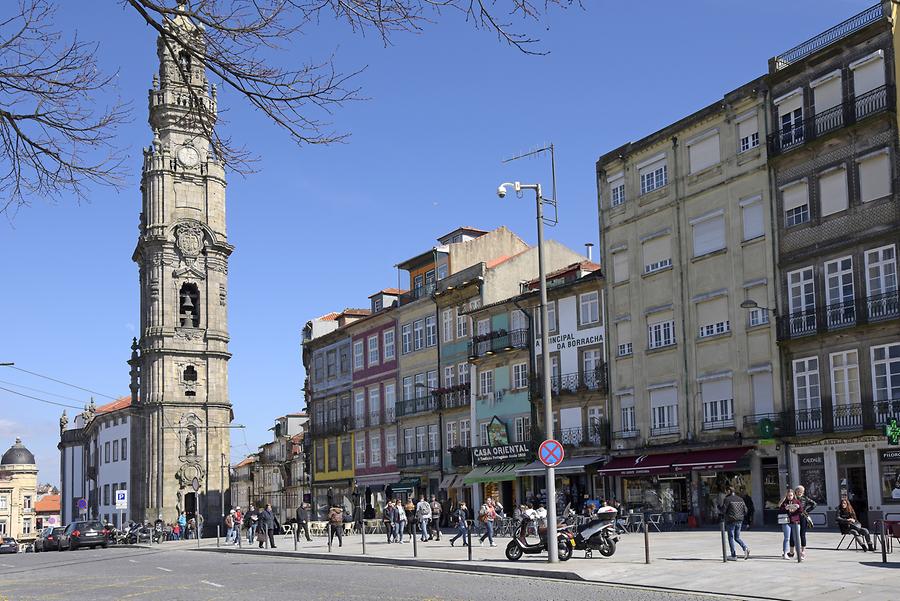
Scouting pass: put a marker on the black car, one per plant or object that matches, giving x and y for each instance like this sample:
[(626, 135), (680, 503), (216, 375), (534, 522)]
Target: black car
[(83, 534), (48, 540), (8, 545)]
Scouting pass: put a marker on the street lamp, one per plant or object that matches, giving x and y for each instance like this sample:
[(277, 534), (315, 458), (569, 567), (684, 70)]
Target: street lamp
[(752, 304), (552, 551)]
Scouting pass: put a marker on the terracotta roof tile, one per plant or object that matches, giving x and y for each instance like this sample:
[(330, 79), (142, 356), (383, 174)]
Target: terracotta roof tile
[(119, 403), (247, 461), (391, 291), (48, 504)]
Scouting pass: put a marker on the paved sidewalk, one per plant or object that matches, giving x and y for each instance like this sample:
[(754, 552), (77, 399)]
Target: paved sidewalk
[(689, 560)]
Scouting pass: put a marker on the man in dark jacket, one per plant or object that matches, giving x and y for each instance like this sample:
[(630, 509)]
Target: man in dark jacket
[(748, 501), (336, 525), (267, 523), (734, 511), (303, 521)]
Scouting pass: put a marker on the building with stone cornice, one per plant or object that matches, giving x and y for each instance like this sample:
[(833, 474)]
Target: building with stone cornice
[(18, 493)]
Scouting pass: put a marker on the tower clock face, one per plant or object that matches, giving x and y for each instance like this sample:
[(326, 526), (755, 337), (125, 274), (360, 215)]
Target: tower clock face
[(188, 156)]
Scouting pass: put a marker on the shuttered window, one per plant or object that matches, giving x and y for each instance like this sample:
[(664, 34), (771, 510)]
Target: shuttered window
[(709, 234), (868, 74), (833, 191), (796, 203), (827, 92), (752, 218), (620, 267), (712, 315), (704, 153), (748, 133), (874, 176), (657, 254), (623, 338)]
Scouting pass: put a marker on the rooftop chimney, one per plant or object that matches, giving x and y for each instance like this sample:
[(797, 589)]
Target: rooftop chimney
[(589, 247)]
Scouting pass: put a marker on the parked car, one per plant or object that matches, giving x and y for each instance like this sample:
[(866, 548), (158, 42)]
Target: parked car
[(8, 545), (83, 534), (48, 540)]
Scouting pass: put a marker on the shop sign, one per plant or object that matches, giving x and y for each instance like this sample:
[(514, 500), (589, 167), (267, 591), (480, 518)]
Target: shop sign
[(817, 460), (890, 455), (500, 453), (892, 431), (571, 340)]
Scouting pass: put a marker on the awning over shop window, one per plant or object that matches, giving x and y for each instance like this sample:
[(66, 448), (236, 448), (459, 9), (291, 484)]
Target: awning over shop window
[(499, 472), (708, 459), (569, 465), (447, 482), (405, 485)]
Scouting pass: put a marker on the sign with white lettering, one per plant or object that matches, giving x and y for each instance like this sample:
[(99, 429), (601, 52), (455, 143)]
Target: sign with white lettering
[(500, 453)]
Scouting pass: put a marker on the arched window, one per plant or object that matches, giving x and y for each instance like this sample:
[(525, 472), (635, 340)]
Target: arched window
[(184, 59), (189, 306)]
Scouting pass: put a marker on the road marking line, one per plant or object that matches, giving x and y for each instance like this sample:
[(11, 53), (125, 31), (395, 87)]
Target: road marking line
[(6, 565), (132, 561), (163, 569), (211, 583)]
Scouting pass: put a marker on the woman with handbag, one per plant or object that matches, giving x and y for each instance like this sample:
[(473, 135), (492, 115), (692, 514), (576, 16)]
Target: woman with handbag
[(806, 522), (790, 513)]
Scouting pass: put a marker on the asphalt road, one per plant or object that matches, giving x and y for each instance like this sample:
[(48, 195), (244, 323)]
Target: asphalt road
[(174, 575)]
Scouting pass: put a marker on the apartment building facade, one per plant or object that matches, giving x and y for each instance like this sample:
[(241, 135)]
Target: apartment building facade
[(833, 156), (685, 229)]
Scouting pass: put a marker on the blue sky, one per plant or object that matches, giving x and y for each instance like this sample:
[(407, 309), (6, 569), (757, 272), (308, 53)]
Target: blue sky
[(320, 228)]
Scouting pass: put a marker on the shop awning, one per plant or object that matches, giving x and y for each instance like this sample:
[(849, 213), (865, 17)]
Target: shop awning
[(405, 485), (637, 465), (569, 465), (447, 482), (499, 472)]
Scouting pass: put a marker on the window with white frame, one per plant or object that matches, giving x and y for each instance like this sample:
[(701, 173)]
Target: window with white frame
[(886, 375), (462, 372), (703, 151), (361, 451), (758, 316), (708, 233), (660, 330), (408, 388), (664, 410), (653, 174), (801, 298), (431, 380), (406, 338), (434, 437), (806, 384), (359, 404), (874, 175), (589, 308), (375, 448), (827, 96), (790, 118), (358, 355), (845, 377), (483, 433), (718, 403), (390, 447), (462, 324), (465, 433), (449, 376), (418, 334), (389, 349), (430, 330), (486, 382), (3, 531), (626, 413), (523, 428), (753, 218), (373, 350), (795, 198), (4, 502), (520, 375), (748, 132), (421, 438), (483, 327), (517, 320), (868, 75), (420, 391), (447, 325), (881, 281), (833, 191), (451, 438), (616, 189), (551, 315), (712, 315), (390, 400), (623, 338), (621, 269), (657, 254), (375, 400), (839, 293)]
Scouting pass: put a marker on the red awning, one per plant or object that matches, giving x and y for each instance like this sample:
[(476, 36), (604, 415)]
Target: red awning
[(709, 459)]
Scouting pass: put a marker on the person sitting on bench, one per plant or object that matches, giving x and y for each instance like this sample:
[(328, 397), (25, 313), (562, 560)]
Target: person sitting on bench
[(847, 517)]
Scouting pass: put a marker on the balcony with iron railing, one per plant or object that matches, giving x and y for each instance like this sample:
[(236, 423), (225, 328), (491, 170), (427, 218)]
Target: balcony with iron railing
[(851, 110), (841, 30), (626, 433), (328, 428), (717, 424), (497, 342), (374, 418), (453, 397), (594, 380), (421, 404), (835, 316), (419, 459), (664, 430), (359, 421), (825, 419), (416, 293), (595, 434)]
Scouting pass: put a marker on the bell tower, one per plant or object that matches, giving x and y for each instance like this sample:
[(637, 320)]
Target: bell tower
[(180, 436)]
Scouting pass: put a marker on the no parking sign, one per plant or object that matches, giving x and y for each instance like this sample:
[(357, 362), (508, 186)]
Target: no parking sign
[(551, 453)]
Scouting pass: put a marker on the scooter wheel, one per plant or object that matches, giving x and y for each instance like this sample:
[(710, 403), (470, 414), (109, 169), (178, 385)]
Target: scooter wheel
[(513, 551), (565, 551), (608, 548)]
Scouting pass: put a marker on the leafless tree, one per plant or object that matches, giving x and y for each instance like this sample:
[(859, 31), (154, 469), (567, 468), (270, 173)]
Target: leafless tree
[(53, 138)]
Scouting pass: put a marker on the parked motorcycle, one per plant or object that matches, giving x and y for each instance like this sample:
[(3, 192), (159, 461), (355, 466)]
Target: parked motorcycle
[(599, 534), (137, 533), (519, 545)]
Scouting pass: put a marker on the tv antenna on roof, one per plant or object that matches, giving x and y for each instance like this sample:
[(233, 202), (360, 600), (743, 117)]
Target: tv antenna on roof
[(550, 221)]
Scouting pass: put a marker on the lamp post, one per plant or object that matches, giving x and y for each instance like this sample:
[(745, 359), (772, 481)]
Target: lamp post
[(752, 304), (552, 551)]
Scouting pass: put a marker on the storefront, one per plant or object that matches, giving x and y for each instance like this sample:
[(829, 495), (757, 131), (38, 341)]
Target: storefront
[(405, 489), (326, 494), (576, 482), (495, 472)]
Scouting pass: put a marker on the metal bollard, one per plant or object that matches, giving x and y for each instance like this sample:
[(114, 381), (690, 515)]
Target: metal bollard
[(412, 528), (646, 542), (218, 531), (329, 534), (362, 531), (795, 530), (883, 543), (296, 535), (468, 535), (724, 556), (240, 537)]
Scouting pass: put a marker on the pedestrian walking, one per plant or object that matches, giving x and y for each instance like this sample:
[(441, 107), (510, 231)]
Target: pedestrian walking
[(182, 525), (229, 526), (336, 525), (847, 516), (791, 513), (402, 521), (748, 502), (303, 520), (238, 522), (423, 517), (266, 527), (436, 511), (461, 515), (807, 506), (487, 514), (734, 510), (251, 523), (386, 520)]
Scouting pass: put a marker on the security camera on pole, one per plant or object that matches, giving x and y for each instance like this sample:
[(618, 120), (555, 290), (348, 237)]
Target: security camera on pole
[(552, 550)]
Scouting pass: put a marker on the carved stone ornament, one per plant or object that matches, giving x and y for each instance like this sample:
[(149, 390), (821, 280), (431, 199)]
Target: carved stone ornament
[(189, 334), (189, 238), (187, 472)]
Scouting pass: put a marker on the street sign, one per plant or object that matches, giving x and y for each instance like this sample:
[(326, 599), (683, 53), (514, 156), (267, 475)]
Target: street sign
[(551, 453), (82, 505), (121, 499)]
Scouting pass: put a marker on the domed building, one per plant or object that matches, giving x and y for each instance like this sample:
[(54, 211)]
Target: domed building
[(18, 492)]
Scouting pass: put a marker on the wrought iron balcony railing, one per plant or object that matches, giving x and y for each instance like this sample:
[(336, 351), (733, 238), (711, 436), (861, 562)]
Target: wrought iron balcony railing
[(596, 434), (664, 430), (829, 417), (374, 418), (594, 381), (416, 293), (816, 43), (835, 316), (718, 424), (496, 342), (452, 397), (627, 433), (418, 459), (422, 404), (330, 427), (851, 110)]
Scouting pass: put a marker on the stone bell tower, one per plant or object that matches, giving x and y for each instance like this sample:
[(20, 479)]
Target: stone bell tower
[(180, 438)]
